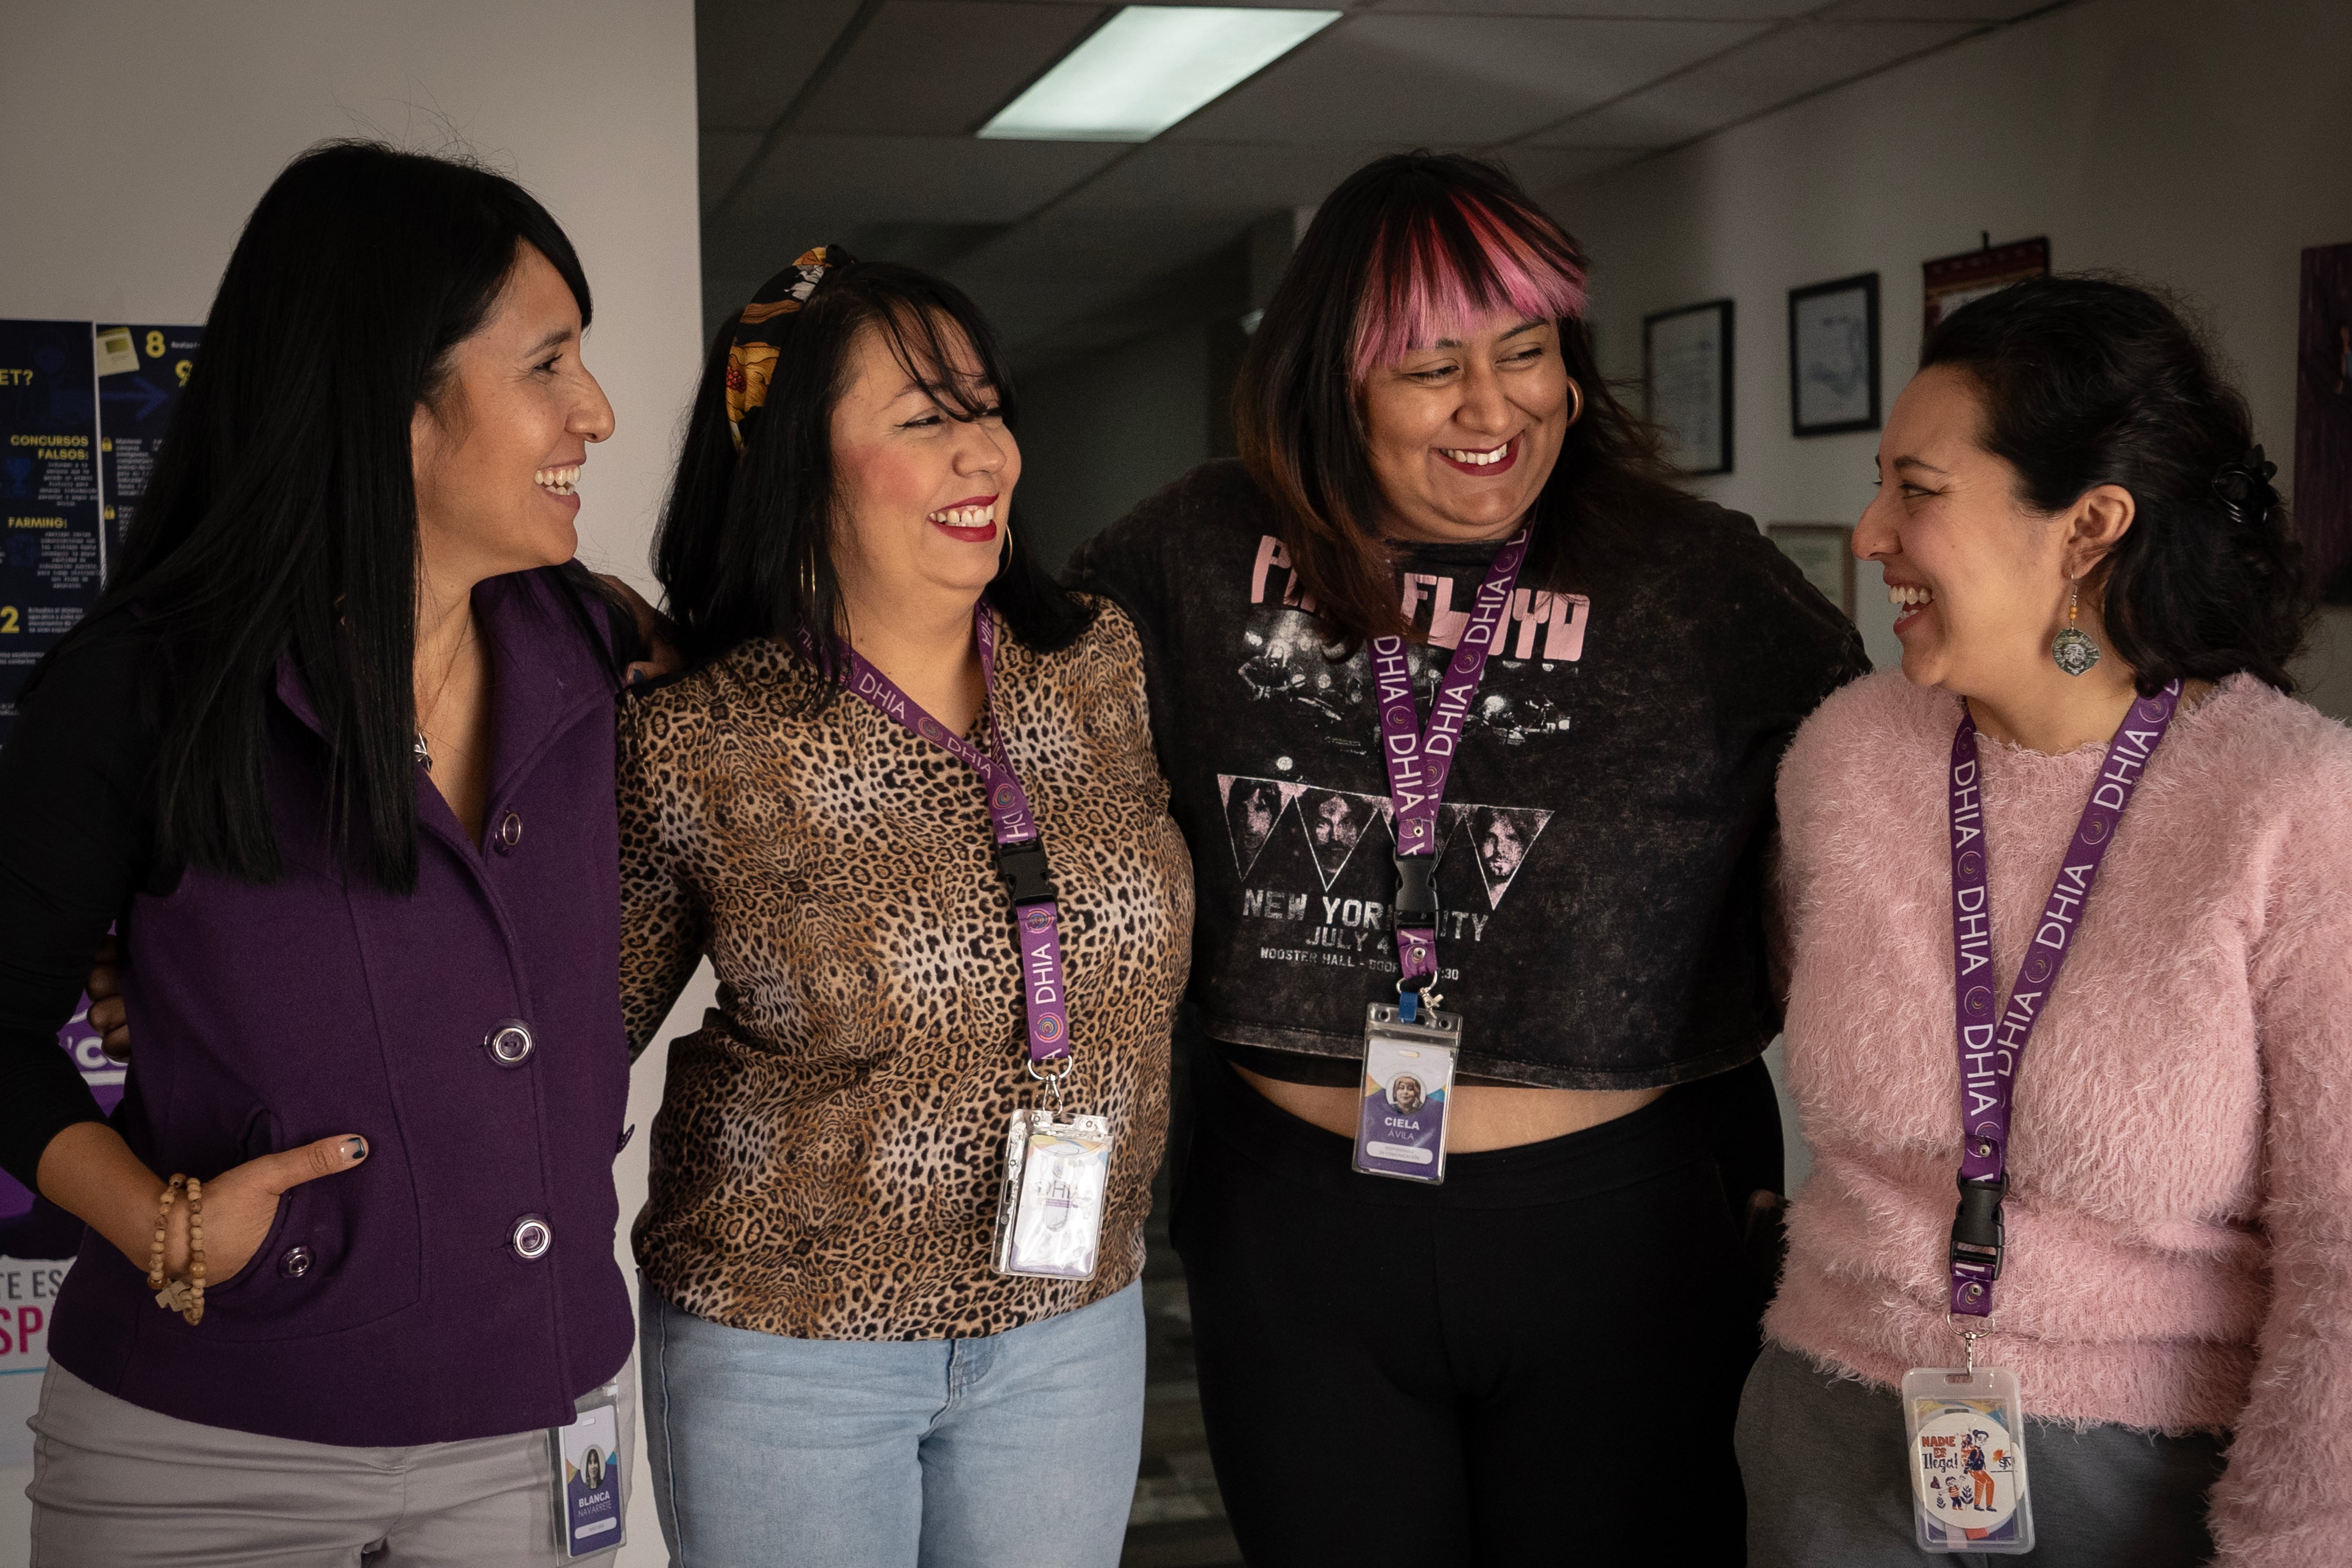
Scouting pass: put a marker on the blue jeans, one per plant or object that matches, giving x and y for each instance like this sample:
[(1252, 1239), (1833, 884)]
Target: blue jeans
[(1017, 1448)]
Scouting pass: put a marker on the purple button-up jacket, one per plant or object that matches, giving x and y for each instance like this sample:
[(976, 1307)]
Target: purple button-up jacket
[(390, 1304)]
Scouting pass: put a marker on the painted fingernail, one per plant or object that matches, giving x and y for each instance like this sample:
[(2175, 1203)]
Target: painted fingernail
[(636, 676), (355, 1148)]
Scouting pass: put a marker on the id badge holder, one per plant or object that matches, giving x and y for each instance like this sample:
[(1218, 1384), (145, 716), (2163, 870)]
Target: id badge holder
[(1049, 1217), (1967, 1431), (1408, 1078), (588, 1505)]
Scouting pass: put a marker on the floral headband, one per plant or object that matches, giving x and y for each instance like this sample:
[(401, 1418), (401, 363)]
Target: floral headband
[(759, 332)]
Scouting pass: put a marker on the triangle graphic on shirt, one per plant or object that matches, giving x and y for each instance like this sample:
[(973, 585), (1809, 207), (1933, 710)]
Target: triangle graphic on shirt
[(1251, 812), (1335, 821), (1501, 838)]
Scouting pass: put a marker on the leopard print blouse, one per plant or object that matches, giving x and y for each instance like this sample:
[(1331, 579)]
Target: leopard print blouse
[(828, 1158)]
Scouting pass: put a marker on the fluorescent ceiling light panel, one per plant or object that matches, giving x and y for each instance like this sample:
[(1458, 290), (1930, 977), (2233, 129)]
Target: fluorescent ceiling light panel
[(1150, 67)]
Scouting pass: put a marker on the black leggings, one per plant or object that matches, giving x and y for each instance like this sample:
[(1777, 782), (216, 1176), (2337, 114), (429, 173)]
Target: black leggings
[(1538, 1362)]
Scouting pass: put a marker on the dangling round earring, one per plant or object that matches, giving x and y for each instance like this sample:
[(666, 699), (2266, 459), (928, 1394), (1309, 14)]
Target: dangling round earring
[(1004, 551), (2072, 649)]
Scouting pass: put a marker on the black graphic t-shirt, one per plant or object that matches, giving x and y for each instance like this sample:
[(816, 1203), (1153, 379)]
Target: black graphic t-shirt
[(1605, 829)]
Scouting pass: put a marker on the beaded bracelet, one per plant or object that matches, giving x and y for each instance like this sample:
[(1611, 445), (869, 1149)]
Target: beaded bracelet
[(185, 1296)]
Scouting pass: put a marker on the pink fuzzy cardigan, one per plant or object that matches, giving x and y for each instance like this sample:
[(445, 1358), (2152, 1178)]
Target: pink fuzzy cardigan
[(2180, 1204)]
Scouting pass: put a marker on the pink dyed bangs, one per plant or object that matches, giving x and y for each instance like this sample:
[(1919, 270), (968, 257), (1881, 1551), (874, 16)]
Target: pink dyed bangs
[(1425, 283)]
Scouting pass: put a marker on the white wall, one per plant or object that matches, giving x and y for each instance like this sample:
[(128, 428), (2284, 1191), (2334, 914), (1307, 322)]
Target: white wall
[(2200, 144), (138, 135)]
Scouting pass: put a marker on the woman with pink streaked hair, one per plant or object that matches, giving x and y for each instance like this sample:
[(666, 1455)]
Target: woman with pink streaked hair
[(1449, 583)]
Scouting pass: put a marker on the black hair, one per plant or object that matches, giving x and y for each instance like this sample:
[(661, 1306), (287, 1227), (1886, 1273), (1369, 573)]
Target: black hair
[(2089, 381), (1298, 414), (281, 515), (745, 548)]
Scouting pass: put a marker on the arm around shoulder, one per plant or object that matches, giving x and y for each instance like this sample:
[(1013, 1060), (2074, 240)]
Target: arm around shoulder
[(664, 921)]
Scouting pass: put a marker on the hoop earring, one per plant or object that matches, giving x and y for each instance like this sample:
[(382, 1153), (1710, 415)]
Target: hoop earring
[(1004, 551), (1574, 386), (2072, 649)]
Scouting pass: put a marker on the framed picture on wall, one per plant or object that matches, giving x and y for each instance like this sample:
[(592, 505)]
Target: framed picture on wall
[(1951, 282), (1823, 551), (1833, 356), (1686, 383)]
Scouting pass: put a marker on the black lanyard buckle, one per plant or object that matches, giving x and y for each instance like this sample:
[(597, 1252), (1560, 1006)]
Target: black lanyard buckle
[(1026, 875), (1416, 894), (1977, 1231)]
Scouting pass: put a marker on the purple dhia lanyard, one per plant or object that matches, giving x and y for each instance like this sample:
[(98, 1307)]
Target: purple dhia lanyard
[(1020, 848), (1419, 760), (1991, 1051)]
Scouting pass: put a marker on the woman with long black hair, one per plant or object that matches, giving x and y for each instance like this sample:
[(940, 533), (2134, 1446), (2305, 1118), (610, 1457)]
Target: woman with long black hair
[(1471, 717), (334, 751), (907, 805)]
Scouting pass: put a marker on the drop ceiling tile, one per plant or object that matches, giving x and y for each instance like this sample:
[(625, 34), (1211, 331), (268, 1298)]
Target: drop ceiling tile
[(723, 156), (1042, 274), (1932, 10), (1644, 10), (1782, 65), (750, 57), (916, 179), (1377, 78), (1541, 169), (1244, 181), (941, 68)]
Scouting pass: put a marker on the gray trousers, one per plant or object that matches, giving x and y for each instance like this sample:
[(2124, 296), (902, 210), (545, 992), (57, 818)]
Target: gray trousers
[(1822, 1460), (118, 1485)]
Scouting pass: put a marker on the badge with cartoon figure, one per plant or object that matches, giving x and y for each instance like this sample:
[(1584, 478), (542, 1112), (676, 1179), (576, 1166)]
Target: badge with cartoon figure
[(1968, 1461)]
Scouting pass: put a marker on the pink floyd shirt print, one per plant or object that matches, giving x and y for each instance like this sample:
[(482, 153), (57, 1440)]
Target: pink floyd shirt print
[(1602, 837)]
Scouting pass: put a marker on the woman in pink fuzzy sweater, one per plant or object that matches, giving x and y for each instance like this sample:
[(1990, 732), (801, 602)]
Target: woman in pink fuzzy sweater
[(2175, 1296)]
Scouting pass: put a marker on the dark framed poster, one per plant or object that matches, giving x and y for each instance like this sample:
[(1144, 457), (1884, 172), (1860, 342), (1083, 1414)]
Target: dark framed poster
[(142, 371), (1951, 282), (53, 554), (1686, 383), (2323, 420), (83, 409), (1833, 356)]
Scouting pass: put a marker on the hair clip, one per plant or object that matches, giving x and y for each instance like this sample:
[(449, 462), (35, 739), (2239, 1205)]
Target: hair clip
[(2244, 486)]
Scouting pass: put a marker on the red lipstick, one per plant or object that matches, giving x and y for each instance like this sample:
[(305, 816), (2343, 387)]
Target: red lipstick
[(979, 533)]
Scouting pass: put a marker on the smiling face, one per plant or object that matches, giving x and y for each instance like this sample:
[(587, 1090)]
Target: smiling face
[(1980, 578), (1464, 433), (498, 451), (923, 494)]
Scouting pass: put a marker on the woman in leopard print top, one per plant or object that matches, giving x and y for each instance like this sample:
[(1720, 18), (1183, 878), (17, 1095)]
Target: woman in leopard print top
[(833, 1367)]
